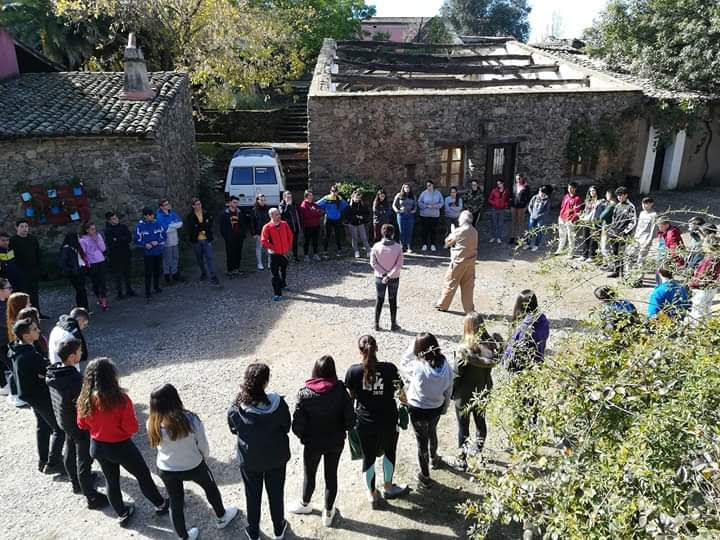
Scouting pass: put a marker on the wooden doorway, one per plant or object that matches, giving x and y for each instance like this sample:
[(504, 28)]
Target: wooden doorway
[(499, 165)]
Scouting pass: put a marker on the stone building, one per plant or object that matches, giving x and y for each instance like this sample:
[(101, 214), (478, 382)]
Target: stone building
[(484, 109), (128, 146)]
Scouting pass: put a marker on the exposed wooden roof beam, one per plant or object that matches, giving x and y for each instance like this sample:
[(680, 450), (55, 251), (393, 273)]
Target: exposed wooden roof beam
[(449, 82), (350, 53), (488, 42), (452, 69)]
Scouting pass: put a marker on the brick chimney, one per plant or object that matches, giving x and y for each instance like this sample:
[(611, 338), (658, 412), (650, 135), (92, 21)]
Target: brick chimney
[(8, 59), (137, 83)]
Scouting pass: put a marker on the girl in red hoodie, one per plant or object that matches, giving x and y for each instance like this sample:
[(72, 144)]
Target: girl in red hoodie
[(499, 201), (106, 411)]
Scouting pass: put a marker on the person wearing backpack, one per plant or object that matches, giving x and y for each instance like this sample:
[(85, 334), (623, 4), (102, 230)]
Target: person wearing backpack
[(528, 341), (74, 265), (334, 207)]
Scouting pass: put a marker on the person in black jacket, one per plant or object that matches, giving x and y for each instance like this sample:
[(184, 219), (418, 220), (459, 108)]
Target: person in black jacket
[(259, 217), (65, 382), (323, 414), (74, 265), (29, 368), (29, 260), (200, 233), (261, 422), (357, 216), (117, 240), (233, 227), (67, 327), (291, 214), (518, 208)]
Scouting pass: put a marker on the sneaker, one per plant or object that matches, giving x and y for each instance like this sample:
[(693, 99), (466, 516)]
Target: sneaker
[(437, 462), (498, 240), (163, 508), (230, 513), (131, 293), (158, 290), (613, 275), (281, 535), (96, 501), (395, 327), (433, 248), (5, 390), (534, 248), (193, 533), (425, 481), (328, 516), (250, 536), (424, 248), (124, 518), (410, 251), (395, 491), (357, 254), (316, 257), (215, 281), (460, 463), (54, 468), (374, 499), (377, 327), (306, 258), (120, 296), (276, 297), (44, 317), (15, 401), (526, 247), (203, 277), (260, 266), (300, 508), (339, 253)]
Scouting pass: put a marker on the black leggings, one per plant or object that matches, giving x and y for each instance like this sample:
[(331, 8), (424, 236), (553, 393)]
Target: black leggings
[(427, 229), (78, 283), (375, 443), (333, 227), (153, 270), (392, 290), (311, 462), (424, 422), (312, 235), (173, 481), (111, 456), (49, 437), (589, 236)]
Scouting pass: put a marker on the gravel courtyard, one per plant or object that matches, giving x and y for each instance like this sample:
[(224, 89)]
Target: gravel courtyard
[(200, 338)]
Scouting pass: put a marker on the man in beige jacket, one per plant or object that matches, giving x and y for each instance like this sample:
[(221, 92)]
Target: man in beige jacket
[(462, 242)]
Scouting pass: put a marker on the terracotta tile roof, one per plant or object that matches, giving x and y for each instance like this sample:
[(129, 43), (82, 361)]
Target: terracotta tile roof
[(82, 104)]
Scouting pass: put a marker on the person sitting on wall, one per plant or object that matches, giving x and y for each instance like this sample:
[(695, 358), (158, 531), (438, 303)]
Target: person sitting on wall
[(462, 242)]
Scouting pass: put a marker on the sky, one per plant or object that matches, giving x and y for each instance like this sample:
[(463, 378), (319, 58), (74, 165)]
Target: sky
[(576, 15)]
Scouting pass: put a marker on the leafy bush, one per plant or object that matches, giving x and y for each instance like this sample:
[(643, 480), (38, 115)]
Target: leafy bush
[(367, 189)]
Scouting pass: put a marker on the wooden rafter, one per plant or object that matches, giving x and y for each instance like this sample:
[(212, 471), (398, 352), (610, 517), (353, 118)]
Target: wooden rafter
[(452, 69), (481, 42), (448, 82), (386, 56)]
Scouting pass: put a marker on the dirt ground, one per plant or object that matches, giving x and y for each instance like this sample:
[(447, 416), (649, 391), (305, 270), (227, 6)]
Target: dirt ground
[(200, 338)]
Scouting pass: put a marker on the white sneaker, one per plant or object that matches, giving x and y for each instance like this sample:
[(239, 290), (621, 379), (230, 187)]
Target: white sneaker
[(424, 248), (5, 390), (498, 240), (230, 513), (534, 248), (300, 508), (193, 533), (328, 517), (492, 241), (260, 266), (526, 247), (409, 250), (433, 248), (316, 257), (357, 254), (306, 258), (16, 401)]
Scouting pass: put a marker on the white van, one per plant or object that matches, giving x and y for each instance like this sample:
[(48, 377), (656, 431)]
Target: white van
[(252, 171)]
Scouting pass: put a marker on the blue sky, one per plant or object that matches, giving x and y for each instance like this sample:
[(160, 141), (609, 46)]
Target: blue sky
[(576, 14)]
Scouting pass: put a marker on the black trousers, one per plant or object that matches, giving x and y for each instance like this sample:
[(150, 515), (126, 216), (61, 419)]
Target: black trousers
[(311, 462), (392, 289), (78, 462), (49, 436), (376, 442), (111, 457), (312, 236), (278, 269), (97, 278), (120, 267), (463, 421), (424, 423), (78, 283), (296, 236), (153, 271), (233, 251), (589, 236), (274, 481), (427, 229), (31, 286), (173, 481), (334, 227)]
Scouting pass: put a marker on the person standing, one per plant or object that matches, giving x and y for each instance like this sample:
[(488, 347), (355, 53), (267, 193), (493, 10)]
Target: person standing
[(117, 240), (587, 223), (29, 368), (334, 206), (259, 217), (277, 238), (311, 216), (171, 222), (518, 208), (28, 256), (106, 411), (93, 245), (372, 386), (528, 340), (696, 226), (570, 208), (382, 214), (261, 422), (8, 265), (430, 202), (182, 449), (200, 232), (642, 241), (323, 414), (499, 201), (233, 227), (405, 207), (5, 292), (68, 327), (621, 227), (357, 216), (473, 200), (386, 259), (670, 297), (290, 215), (150, 236), (428, 382), (462, 242), (73, 264), (453, 207), (65, 381), (705, 281), (539, 210)]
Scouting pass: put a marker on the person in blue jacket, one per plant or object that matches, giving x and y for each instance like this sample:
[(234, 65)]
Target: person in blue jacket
[(669, 297), (151, 236), (334, 206), (171, 222)]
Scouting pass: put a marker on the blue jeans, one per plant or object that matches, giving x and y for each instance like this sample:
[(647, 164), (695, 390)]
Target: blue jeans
[(205, 257), (406, 222), (537, 239), (497, 223)]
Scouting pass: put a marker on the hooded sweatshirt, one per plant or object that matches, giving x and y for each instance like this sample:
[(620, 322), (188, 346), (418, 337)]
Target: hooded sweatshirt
[(261, 429), (426, 387), (386, 258), (430, 203), (472, 373), (186, 453), (29, 368), (323, 413), (147, 232), (66, 328), (539, 209), (170, 222), (65, 383)]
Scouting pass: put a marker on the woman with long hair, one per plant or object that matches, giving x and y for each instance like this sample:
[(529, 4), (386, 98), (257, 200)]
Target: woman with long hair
[(93, 245), (34, 315), (386, 259), (259, 217), (323, 414), (105, 409), (182, 446), (382, 214), (372, 386), (405, 206), (16, 302), (428, 380), (356, 217), (518, 207), (74, 264), (261, 422), (474, 360), (527, 343), (589, 225)]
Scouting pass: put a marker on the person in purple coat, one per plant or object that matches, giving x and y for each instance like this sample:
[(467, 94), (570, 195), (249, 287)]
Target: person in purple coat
[(527, 344)]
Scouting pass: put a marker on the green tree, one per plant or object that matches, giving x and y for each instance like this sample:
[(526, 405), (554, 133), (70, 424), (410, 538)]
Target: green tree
[(489, 17), (433, 31), (674, 43)]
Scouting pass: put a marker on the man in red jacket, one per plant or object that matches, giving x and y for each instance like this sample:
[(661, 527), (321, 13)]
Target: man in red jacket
[(277, 238), (569, 214)]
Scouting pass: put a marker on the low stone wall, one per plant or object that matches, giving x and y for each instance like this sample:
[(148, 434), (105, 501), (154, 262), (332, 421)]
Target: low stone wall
[(239, 126)]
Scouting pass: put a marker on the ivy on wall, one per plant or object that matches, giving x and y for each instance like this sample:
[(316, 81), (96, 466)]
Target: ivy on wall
[(587, 139), (669, 117)]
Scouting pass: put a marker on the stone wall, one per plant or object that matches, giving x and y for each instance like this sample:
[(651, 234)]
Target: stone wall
[(375, 137), (239, 126)]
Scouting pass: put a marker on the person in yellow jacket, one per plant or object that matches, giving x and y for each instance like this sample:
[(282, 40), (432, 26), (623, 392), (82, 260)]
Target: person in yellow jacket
[(462, 242)]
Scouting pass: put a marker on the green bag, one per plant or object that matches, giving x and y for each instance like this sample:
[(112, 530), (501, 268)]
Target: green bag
[(354, 444), (403, 417)]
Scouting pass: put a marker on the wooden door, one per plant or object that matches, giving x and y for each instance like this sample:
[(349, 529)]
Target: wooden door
[(499, 165)]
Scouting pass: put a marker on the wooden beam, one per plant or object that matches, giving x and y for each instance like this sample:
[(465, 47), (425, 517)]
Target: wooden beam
[(488, 42), (353, 54), (451, 69), (449, 83)]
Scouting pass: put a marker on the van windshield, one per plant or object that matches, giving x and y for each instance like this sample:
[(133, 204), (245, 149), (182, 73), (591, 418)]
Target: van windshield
[(265, 175), (242, 176)]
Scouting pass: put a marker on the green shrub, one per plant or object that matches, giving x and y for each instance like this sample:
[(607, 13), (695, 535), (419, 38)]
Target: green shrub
[(366, 188)]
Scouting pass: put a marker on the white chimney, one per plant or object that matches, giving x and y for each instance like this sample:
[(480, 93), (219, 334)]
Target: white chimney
[(137, 83)]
